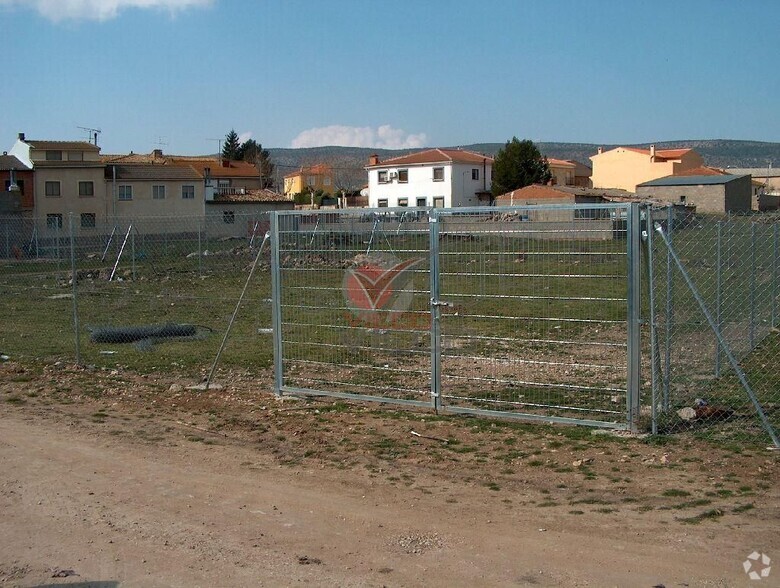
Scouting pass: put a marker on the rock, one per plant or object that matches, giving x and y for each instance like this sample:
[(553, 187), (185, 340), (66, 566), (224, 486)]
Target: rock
[(687, 413), (175, 388)]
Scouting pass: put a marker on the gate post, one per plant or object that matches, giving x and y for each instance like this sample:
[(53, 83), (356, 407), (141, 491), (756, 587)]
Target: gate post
[(276, 304), (634, 352), (433, 236)]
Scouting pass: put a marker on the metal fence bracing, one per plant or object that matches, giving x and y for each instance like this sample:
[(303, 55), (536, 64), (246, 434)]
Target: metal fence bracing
[(577, 314)]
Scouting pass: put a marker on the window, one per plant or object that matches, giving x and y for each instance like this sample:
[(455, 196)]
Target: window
[(228, 217), (158, 192), (382, 203), (403, 202), (54, 221), (421, 201), (311, 180), (86, 188), (87, 220), (52, 189), (403, 176), (54, 155), (326, 181), (474, 173), (75, 156), (438, 201), (188, 192), (682, 199), (438, 174), (382, 176), (125, 192)]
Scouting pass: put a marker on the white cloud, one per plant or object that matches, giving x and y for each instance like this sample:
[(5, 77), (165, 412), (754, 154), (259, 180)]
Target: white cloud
[(59, 10), (383, 137), (245, 136)]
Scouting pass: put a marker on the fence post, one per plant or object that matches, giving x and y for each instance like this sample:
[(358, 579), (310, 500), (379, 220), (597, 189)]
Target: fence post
[(200, 253), (647, 236), (634, 314), (433, 232), (276, 304), (7, 240), (752, 333), (776, 254), (669, 311), (74, 285), (718, 279)]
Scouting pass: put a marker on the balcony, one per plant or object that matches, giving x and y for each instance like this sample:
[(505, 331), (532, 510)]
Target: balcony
[(229, 191)]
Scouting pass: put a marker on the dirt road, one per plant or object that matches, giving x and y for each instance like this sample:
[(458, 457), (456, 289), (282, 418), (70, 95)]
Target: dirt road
[(126, 513)]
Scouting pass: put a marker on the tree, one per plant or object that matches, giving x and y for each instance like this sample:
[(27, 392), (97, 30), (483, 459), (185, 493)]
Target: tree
[(252, 152), (231, 146), (517, 165)]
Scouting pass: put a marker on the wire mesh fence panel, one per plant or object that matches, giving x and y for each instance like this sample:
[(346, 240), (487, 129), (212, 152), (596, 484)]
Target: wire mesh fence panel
[(536, 315), (150, 294), (716, 307), (354, 303)]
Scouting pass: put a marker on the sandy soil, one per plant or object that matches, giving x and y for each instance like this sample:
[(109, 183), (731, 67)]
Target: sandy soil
[(127, 481)]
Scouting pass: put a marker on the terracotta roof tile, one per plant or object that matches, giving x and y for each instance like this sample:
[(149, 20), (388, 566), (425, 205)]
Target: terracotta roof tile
[(81, 145), (264, 195), (702, 171), (319, 169), (435, 156)]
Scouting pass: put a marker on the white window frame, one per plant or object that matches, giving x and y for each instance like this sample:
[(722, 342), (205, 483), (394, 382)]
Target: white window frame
[(382, 203), (403, 202), (382, 176), (158, 192), (188, 192), (422, 201), (403, 176), (475, 173), (438, 169)]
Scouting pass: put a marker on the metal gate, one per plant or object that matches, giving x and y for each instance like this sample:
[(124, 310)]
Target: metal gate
[(529, 312)]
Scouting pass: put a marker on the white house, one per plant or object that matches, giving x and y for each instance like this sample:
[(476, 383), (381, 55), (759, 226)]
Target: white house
[(441, 178)]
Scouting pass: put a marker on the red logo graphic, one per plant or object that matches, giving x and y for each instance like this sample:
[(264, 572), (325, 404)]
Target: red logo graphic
[(378, 288)]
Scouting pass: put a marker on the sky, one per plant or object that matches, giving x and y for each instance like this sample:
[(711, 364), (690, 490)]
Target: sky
[(179, 74)]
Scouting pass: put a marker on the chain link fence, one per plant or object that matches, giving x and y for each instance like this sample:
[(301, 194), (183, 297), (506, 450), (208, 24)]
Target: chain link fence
[(150, 294), (714, 301), (519, 330)]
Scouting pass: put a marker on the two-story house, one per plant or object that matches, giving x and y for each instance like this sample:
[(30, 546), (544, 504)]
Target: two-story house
[(440, 178), (309, 179), (627, 167), (68, 178)]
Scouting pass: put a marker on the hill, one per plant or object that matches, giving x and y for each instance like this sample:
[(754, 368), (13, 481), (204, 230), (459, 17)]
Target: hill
[(721, 153)]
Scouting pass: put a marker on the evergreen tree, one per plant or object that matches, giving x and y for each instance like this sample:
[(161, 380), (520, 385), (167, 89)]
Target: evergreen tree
[(231, 145), (252, 152), (519, 164)]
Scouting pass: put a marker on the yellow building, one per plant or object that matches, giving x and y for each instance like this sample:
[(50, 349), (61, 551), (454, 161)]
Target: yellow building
[(306, 179), (627, 167)]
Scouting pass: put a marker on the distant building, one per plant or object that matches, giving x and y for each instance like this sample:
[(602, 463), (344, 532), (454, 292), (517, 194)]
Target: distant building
[(14, 171), (310, 179), (441, 178), (708, 193), (567, 172), (625, 168)]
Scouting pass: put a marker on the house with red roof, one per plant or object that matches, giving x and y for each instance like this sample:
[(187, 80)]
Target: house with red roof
[(441, 178), (625, 168)]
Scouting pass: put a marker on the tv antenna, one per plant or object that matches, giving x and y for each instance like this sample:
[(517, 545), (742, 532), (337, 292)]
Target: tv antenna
[(219, 146), (92, 134), (161, 142)]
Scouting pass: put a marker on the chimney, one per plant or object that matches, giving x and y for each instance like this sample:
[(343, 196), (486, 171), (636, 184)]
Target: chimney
[(652, 152), (601, 150), (21, 136), (157, 153), (373, 159), (225, 163)]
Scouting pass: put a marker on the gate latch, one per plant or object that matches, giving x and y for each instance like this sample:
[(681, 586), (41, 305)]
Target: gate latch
[(436, 303)]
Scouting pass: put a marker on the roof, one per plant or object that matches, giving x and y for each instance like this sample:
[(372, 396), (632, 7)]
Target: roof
[(435, 156), (219, 168), (319, 169), (756, 172), (661, 154), (8, 162), (692, 180), (250, 196), (560, 163), (152, 172), (702, 170), (538, 191), (62, 145)]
